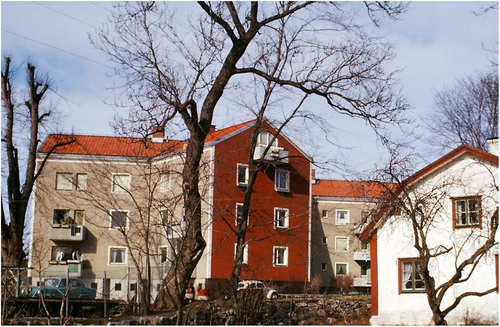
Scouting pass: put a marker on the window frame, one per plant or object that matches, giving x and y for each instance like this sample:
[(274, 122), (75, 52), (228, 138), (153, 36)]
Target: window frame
[(269, 137), (161, 248), (277, 187), (324, 214), (246, 172), (165, 181), (348, 214), (70, 181), (125, 255), (125, 189), (413, 280), (79, 186), (324, 240), (478, 211), (245, 253), (127, 212), (285, 256), (337, 238), (346, 268), (286, 219)]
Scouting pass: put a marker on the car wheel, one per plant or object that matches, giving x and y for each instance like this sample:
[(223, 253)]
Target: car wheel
[(274, 296)]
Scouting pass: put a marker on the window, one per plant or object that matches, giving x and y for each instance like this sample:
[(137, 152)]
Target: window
[(245, 253), (93, 285), (265, 139), (118, 219), (133, 287), (280, 218), (364, 270), (324, 267), (118, 286), (410, 279), (64, 181), (81, 182), (342, 217), (64, 253), (467, 212), (341, 269), (79, 217), (165, 181), (341, 243), (324, 240), (239, 213), (121, 183), (242, 175), (324, 214), (163, 254), (60, 216), (364, 245), (117, 255), (280, 256), (282, 180)]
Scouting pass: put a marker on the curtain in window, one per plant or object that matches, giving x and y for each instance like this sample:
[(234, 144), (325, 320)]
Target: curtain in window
[(407, 276), (117, 255)]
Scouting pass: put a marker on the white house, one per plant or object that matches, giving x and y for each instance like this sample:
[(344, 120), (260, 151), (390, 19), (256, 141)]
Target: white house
[(458, 196)]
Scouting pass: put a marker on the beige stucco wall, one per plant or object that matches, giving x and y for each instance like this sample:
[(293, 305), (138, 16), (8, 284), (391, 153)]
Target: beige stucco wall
[(97, 201), (322, 227)]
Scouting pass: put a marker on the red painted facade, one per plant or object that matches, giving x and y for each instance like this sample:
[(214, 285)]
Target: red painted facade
[(264, 236)]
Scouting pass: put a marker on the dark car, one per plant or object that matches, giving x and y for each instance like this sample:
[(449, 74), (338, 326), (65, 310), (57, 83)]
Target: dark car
[(55, 287)]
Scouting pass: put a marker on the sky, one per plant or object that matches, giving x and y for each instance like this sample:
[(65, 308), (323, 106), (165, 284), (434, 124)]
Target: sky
[(436, 44)]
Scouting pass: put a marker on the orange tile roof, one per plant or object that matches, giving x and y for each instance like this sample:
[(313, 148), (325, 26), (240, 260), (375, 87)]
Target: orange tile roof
[(348, 189), (123, 146)]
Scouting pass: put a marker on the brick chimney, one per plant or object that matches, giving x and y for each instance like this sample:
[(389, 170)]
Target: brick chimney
[(493, 145), (158, 134)]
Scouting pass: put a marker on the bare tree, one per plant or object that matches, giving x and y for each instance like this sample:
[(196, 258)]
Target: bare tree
[(29, 115), (445, 258), (466, 113), (170, 72)]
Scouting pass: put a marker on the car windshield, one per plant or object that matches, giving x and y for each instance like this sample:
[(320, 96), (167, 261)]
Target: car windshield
[(51, 282)]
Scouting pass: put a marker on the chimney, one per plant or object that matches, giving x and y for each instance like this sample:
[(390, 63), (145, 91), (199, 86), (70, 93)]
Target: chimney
[(493, 145), (212, 129), (158, 134)]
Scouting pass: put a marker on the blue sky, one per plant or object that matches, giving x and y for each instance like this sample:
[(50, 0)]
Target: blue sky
[(436, 43)]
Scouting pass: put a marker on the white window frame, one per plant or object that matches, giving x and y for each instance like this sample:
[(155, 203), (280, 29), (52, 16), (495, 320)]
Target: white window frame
[(245, 253), (165, 181), (81, 185), (160, 250), (247, 174), (236, 213), (125, 255), (265, 138), (337, 217), (286, 220), (117, 188), (346, 268), (285, 256), (337, 238), (286, 187), (64, 176), (111, 218)]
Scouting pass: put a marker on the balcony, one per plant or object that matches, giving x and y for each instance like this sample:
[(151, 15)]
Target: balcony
[(68, 232), (61, 268), (362, 282), (274, 154), (361, 256)]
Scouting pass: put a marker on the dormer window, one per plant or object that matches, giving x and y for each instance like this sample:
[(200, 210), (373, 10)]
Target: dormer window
[(265, 139)]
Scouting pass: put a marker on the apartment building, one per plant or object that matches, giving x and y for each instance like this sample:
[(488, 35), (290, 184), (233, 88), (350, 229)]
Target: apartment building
[(106, 208), (338, 210)]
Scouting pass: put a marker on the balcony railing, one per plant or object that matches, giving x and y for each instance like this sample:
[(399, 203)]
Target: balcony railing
[(61, 268), (68, 232), (274, 154), (361, 256), (361, 282)]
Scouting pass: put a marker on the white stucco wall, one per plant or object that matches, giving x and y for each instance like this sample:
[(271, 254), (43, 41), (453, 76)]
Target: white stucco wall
[(395, 240)]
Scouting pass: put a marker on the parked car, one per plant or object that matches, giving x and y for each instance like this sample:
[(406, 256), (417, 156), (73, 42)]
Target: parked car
[(269, 293), (55, 287)]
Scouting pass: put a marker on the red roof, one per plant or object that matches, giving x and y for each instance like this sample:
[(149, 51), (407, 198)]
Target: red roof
[(348, 189), (123, 146)]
